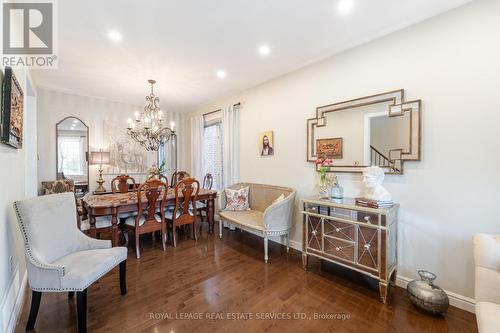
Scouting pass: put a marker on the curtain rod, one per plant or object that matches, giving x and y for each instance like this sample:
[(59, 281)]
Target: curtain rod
[(206, 114)]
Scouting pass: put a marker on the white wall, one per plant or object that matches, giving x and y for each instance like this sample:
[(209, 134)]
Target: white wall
[(452, 63), (53, 106), (16, 184)]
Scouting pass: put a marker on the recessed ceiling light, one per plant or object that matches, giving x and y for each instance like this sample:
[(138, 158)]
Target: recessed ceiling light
[(264, 50), (114, 35), (345, 6), (221, 74)]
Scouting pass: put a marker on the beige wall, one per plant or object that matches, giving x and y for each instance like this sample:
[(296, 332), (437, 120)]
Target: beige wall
[(452, 63), (53, 106)]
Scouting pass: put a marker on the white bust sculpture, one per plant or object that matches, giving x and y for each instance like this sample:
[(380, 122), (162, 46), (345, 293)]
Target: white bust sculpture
[(373, 177)]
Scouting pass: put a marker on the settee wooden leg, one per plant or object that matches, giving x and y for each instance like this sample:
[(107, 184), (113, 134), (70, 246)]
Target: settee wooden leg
[(36, 296), (123, 277), (265, 249), (71, 294), (81, 309), (220, 228), (287, 243)]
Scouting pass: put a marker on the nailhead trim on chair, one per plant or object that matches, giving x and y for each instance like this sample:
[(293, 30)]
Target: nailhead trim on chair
[(277, 233), (29, 254), (109, 268)]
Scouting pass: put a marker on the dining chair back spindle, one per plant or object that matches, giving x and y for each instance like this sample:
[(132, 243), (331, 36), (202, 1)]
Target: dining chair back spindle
[(122, 184), (177, 176), (184, 211), (151, 200)]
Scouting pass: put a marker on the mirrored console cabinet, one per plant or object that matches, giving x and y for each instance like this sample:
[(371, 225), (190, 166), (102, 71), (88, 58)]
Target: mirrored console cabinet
[(359, 238)]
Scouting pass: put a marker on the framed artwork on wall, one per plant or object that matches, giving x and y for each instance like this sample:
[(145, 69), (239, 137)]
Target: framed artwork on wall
[(329, 148), (266, 143), (12, 110)]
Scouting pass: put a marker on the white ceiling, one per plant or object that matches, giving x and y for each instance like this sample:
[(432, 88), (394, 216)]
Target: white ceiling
[(183, 43)]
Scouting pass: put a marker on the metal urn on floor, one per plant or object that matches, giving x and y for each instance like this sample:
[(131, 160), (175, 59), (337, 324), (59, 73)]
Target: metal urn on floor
[(427, 296)]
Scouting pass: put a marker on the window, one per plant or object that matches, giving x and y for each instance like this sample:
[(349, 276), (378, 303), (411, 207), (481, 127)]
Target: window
[(167, 153), (212, 151), (71, 155)]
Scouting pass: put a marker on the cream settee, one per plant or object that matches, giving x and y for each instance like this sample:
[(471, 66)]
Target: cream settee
[(487, 289), (264, 217)]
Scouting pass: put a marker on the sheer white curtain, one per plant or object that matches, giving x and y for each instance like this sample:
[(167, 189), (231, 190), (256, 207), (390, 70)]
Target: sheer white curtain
[(197, 127), (231, 154), (231, 157)]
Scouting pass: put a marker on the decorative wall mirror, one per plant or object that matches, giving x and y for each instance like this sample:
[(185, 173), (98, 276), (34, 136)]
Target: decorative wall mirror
[(72, 146), (382, 130)]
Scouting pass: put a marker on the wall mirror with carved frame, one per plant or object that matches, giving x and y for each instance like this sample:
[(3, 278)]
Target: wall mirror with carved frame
[(72, 146), (382, 130)]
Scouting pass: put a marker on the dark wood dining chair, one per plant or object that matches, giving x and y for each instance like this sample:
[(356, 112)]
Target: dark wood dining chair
[(202, 206), (151, 215), (184, 210), (177, 176), (122, 184)]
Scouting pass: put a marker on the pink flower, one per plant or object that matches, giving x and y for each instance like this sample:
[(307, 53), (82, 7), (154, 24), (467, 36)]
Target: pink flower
[(328, 162)]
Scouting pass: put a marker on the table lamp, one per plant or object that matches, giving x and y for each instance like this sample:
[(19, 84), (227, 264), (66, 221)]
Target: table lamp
[(99, 158)]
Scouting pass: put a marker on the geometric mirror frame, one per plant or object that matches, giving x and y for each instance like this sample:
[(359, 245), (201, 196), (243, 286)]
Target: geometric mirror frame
[(390, 106)]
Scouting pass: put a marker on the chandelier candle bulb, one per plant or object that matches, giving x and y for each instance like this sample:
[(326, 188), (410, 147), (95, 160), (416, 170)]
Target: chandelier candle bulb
[(148, 128)]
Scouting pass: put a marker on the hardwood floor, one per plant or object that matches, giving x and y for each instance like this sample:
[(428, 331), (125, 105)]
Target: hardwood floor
[(227, 279)]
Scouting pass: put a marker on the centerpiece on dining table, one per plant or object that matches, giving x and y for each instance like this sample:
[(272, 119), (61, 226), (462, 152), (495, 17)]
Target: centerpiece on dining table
[(156, 171)]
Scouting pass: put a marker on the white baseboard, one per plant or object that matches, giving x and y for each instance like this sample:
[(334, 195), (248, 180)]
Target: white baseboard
[(456, 300), (296, 245), (12, 303)]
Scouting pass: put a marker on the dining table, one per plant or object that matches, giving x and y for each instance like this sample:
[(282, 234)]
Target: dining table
[(113, 204)]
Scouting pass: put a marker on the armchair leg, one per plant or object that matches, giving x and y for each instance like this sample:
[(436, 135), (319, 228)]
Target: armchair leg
[(220, 228), (265, 249), (137, 245), (174, 236), (123, 277), (71, 294), (81, 309), (287, 243), (36, 296)]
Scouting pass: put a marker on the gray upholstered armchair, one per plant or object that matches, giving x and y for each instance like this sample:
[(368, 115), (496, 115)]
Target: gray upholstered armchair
[(59, 257), (265, 216)]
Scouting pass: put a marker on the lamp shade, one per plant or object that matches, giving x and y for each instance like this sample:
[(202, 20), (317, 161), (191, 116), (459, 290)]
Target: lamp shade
[(99, 157)]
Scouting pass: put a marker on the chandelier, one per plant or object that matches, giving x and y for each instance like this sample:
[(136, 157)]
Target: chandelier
[(148, 129)]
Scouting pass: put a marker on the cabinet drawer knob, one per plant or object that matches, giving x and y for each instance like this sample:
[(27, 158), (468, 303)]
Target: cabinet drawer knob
[(337, 249), (337, 229), (367, 219), (367, 246)]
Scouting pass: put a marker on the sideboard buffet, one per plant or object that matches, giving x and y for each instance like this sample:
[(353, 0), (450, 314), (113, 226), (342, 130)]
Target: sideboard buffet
[(356, 237)]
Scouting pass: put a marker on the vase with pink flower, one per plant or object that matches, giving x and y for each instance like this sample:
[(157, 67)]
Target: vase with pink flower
[(325, 182), (155, 171)]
